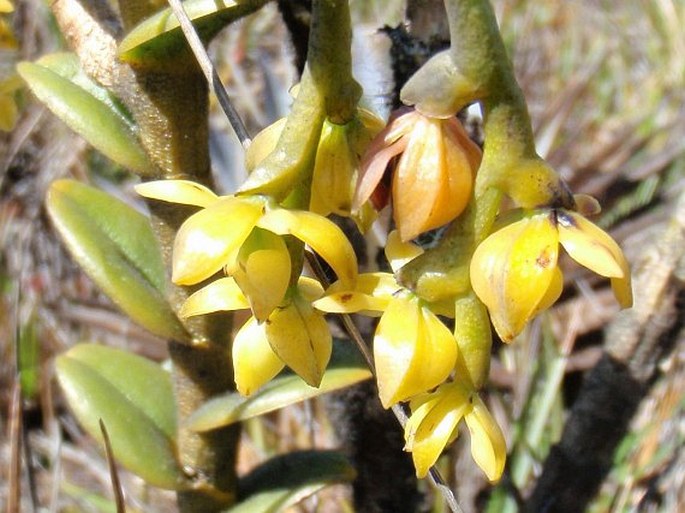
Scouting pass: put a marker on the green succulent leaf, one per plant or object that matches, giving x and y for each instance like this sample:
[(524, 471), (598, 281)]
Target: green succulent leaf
[(159, 40), (346, 368), (115, 246), (87, 108), (285, 480), (133, 397)]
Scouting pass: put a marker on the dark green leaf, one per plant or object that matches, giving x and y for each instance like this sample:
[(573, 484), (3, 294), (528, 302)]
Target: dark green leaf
[(285, 480), (158, 40), (346, 368), (133, 397), (116, 247), (86, 108)]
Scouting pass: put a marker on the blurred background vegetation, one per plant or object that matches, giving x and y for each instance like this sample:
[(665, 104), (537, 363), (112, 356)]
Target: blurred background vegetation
[(605, 82)]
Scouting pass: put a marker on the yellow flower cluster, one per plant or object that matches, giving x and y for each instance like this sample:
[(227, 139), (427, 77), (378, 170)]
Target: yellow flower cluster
[(242, 236), (513, 272), (414, 353)]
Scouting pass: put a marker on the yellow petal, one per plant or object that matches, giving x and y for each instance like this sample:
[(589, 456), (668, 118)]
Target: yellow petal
[(420, 406), (6, 6), (220, 295), (351, 302), (512, 269), (335, 172), (299, 335), (556, 287), (372, 293), (589, 245), (263, 272), (309, 289), (207, 239), (488, 447), (254, 361), (321, 234), (178, 191), (413, 351), (437, 427), (623, 290), (592, 247), (398, 252)]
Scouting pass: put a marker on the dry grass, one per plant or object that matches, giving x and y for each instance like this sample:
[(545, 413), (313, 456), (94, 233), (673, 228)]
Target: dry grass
[(605, 82)]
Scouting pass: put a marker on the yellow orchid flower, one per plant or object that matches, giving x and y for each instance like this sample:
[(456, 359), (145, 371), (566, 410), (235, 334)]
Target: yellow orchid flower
[(413, 350), (433, 425), (433, 178), (210, 239), (514, 271), (294, 334)]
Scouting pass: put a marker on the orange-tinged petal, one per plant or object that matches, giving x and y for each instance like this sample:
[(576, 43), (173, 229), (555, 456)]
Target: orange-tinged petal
[(589, 245), (321, 234), (220, 295), (178, 191), (413, 351), (418, 179), (207, 239), (437, 427), (512, 269), (299, 335), (488, 447), (373, 167), (254, 361)]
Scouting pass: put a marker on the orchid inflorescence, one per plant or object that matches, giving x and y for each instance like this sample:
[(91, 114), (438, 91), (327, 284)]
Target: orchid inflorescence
[(493, 265)]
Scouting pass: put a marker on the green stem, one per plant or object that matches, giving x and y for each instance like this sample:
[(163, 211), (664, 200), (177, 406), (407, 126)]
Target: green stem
[(510, 165), (329, 59), (327, 89), (171, 110)]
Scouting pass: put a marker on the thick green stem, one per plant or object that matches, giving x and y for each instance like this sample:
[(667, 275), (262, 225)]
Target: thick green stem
[(329, 59), (327, 89), (171, 111), (510, 164)]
